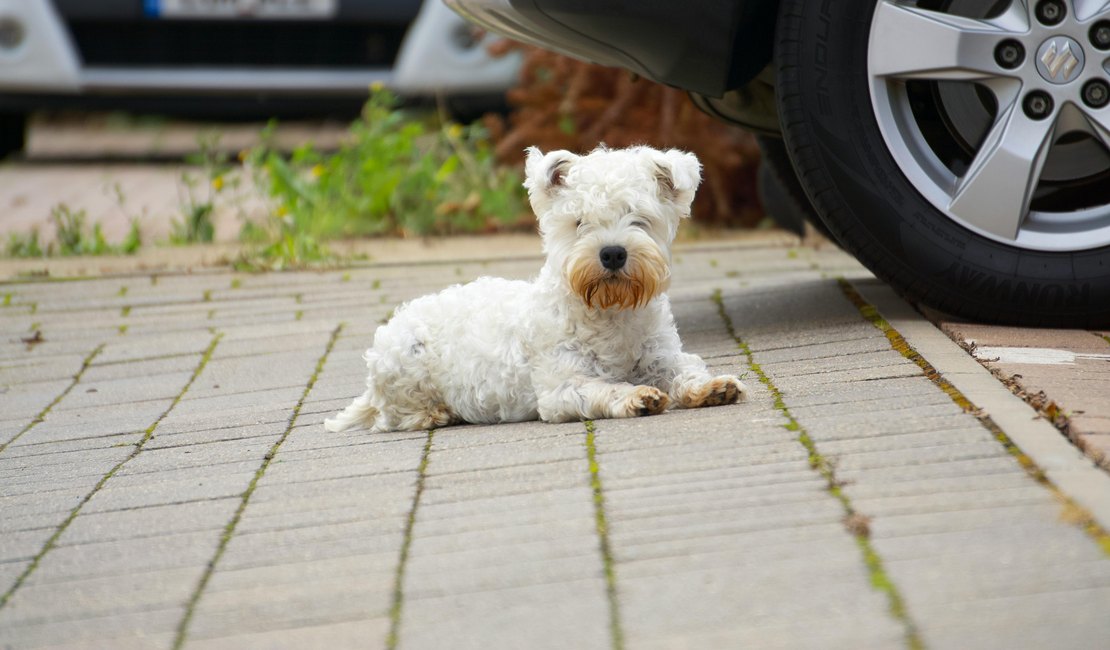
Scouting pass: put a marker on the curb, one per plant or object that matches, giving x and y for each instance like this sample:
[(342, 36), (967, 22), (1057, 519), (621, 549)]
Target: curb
[(1062, 463)]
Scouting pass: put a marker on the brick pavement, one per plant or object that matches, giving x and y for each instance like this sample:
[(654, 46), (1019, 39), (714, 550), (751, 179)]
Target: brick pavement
[(165, 481)]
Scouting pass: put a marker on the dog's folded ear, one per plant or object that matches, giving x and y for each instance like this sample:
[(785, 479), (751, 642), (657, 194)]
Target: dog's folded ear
[(679, 175), (546, 173)]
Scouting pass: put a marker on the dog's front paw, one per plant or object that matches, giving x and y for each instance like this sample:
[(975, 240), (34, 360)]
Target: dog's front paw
[(718, 391), (643, 400)]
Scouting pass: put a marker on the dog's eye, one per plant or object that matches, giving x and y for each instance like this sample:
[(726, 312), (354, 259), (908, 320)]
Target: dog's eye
[(639, 223), (578, 224)]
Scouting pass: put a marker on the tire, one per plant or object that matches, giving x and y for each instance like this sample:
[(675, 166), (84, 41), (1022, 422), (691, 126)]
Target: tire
[(988, 251), (782, 195), (13, 133)]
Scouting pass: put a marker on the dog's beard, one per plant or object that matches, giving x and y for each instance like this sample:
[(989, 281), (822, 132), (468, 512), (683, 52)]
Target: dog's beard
[(645, 276)]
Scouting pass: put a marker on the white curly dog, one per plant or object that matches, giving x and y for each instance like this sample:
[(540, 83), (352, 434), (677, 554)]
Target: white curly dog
[(591, 337)]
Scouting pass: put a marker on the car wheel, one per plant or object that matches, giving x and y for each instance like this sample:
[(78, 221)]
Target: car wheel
[(782, 195), (13, 133), (958, 148)]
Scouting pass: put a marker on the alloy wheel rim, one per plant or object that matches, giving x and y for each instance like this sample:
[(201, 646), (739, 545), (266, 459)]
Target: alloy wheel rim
[(994, 115)]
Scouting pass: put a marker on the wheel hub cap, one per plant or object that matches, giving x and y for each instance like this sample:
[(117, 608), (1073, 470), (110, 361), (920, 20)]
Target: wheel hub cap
[(1060, 60)]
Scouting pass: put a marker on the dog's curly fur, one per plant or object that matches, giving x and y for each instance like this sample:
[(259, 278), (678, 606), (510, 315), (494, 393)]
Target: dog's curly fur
[(581, 341)]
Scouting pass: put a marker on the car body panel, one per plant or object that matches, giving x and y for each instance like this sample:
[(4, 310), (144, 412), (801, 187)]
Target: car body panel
[(704, 46)]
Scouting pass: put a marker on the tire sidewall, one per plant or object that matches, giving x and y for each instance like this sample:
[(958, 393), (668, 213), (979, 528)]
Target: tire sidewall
[(834, 138)]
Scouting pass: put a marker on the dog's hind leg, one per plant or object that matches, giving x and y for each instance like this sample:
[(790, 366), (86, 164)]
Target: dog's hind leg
[(359, 412)]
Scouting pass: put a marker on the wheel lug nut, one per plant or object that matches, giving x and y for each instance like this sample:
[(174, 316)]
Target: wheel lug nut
[(1096, 93), (1038, 105), (1100, 35), (1051, 12), (1009, 54)]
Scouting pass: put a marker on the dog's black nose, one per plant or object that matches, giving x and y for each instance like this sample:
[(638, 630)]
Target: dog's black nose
[(614, 257)]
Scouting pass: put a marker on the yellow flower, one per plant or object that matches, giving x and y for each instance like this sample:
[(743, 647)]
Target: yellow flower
[(281, 211), (218, 183), (377, 86), (317, 171), (454, 131)]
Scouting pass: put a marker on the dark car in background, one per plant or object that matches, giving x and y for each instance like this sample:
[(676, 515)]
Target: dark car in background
[(958, 148), (223, 57)]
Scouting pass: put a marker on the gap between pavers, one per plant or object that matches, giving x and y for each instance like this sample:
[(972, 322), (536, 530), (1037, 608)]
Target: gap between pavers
[(1063, 464)]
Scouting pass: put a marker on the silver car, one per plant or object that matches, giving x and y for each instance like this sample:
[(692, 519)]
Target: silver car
[(219, 55)]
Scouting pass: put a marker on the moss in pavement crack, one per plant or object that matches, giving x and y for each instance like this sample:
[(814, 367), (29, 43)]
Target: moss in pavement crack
[(398, 602), (147, 435), (854, 522), (41, 415), (229, 528), (1073, 512), (616, 632)]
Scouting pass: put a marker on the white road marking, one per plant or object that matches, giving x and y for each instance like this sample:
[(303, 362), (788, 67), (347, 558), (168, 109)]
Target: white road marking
[(1035, 356)]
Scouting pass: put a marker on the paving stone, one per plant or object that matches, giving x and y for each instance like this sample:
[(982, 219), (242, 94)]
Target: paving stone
[(255, 374), (134, 348), (765, 607), (126, 557), (346, 634), (257, 402), (152, 522), (167, 437), (557, 615), (144, 368), (83, 602), (1096, 446), (168, 488), (96, 422), (16, 469), (265, 603), (1031, 337), (9, 573), (230, 455), (316, 546), (22, 545), (111, 392), (51, 348), (35, 482), (58, 368), (143, 630)]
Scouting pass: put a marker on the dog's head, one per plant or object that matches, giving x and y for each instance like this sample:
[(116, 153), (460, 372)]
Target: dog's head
[(608, 218)]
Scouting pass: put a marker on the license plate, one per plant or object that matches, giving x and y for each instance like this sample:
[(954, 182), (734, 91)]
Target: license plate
[(232, 9)]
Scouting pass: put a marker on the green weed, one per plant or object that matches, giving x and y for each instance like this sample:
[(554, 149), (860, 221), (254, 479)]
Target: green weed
[(201, 189), (396, 174), (24, 244), (73, 236)]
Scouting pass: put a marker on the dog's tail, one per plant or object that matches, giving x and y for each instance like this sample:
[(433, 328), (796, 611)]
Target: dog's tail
[(359, 412)]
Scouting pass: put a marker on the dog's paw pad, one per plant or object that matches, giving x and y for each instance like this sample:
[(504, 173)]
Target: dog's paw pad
[(719, 391), (646, 400)]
